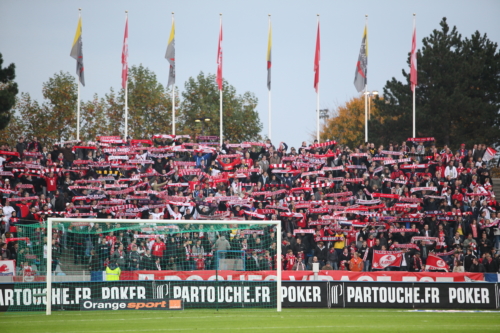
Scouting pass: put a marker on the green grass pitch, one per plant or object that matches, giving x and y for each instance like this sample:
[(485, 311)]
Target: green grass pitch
[(255, 320)]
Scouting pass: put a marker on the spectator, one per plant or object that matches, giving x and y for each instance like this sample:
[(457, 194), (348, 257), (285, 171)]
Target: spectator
[(356, 263), (416, 264), (477, 267), (5, 253), (321, 253), (299, 265), (119, 257), (221, 245), (490, 264), (134, 259), (332, 258), (312, 260), (113, 272)]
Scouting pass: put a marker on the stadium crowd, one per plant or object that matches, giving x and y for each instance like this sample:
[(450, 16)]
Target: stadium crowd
[(336, 205)]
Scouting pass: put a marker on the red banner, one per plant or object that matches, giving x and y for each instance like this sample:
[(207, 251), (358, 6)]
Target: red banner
[(301, 275), (434, 262), (8, 267), (383, 259)]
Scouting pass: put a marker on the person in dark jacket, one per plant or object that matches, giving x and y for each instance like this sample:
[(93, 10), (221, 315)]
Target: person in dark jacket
[(468, 259), (4, 252), (321, 252), (477, 267), (345, 256), (103, 251), (490, 264), (299, 246), (332, 258), (147, 261), (67, 152), (416, 264), (21, 145), (94, 263), (134, 259)]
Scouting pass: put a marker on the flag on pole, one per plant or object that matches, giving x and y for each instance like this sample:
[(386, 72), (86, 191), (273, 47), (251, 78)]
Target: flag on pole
[(433, 262), (170, 55), (269, 63), (383, 259), (489, 154), (360, 79), (316, 61), (413, 60), (77, 52), (219, 59), (125, 56)]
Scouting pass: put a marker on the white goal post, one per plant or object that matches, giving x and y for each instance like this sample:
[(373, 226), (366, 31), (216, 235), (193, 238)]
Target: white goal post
[(50, 222)]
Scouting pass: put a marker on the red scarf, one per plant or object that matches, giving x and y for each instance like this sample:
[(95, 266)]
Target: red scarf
[(474, 230)]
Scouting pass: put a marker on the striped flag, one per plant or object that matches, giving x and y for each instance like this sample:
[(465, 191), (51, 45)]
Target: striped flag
[(77, 52), (125, 56), (316, 61), (360, 78), (219, 59), (489, 154), (269, 63), (170, 55), (413, 60)]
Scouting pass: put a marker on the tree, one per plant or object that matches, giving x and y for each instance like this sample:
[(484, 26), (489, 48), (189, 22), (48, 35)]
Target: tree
[(347, 127), (54, 120), (115, 105), (149, 104), (59, 109), (457, 98), (201, 99), (8, 92), (94, 119)]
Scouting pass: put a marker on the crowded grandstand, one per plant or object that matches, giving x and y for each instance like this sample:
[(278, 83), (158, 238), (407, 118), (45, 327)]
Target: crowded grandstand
[(342, 208)]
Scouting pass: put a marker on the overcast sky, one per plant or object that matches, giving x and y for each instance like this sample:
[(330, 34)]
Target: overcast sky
[(37, 37)]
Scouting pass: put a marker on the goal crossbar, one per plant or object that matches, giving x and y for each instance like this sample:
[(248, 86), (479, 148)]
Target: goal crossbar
[(51, 220)]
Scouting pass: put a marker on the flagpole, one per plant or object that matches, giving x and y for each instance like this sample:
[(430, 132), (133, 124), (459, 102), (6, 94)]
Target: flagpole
[(220, 98), (366, 86), (78, 101), (317, 100), (126, 84), (78, 114), (317, 114), (173, 110), (414, 87), (173, 95), (269, 98), (269, 91)]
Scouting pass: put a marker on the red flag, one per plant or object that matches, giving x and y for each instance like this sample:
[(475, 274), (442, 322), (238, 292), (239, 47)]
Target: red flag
[(125, 56), (316, 62), (219, 59), (434, 262), (413, 60), (383, 259)]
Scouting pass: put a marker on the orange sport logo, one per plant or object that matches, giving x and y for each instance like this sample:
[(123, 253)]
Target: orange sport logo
[(146, 304)]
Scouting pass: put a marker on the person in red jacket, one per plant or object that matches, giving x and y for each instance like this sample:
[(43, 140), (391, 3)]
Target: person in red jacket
[(51, 181), (158, 248), (397, 172), (290, 260), (200, 262), (24, 208)]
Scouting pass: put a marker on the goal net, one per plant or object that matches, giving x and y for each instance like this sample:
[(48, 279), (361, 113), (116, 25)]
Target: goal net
[(112, 264)]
